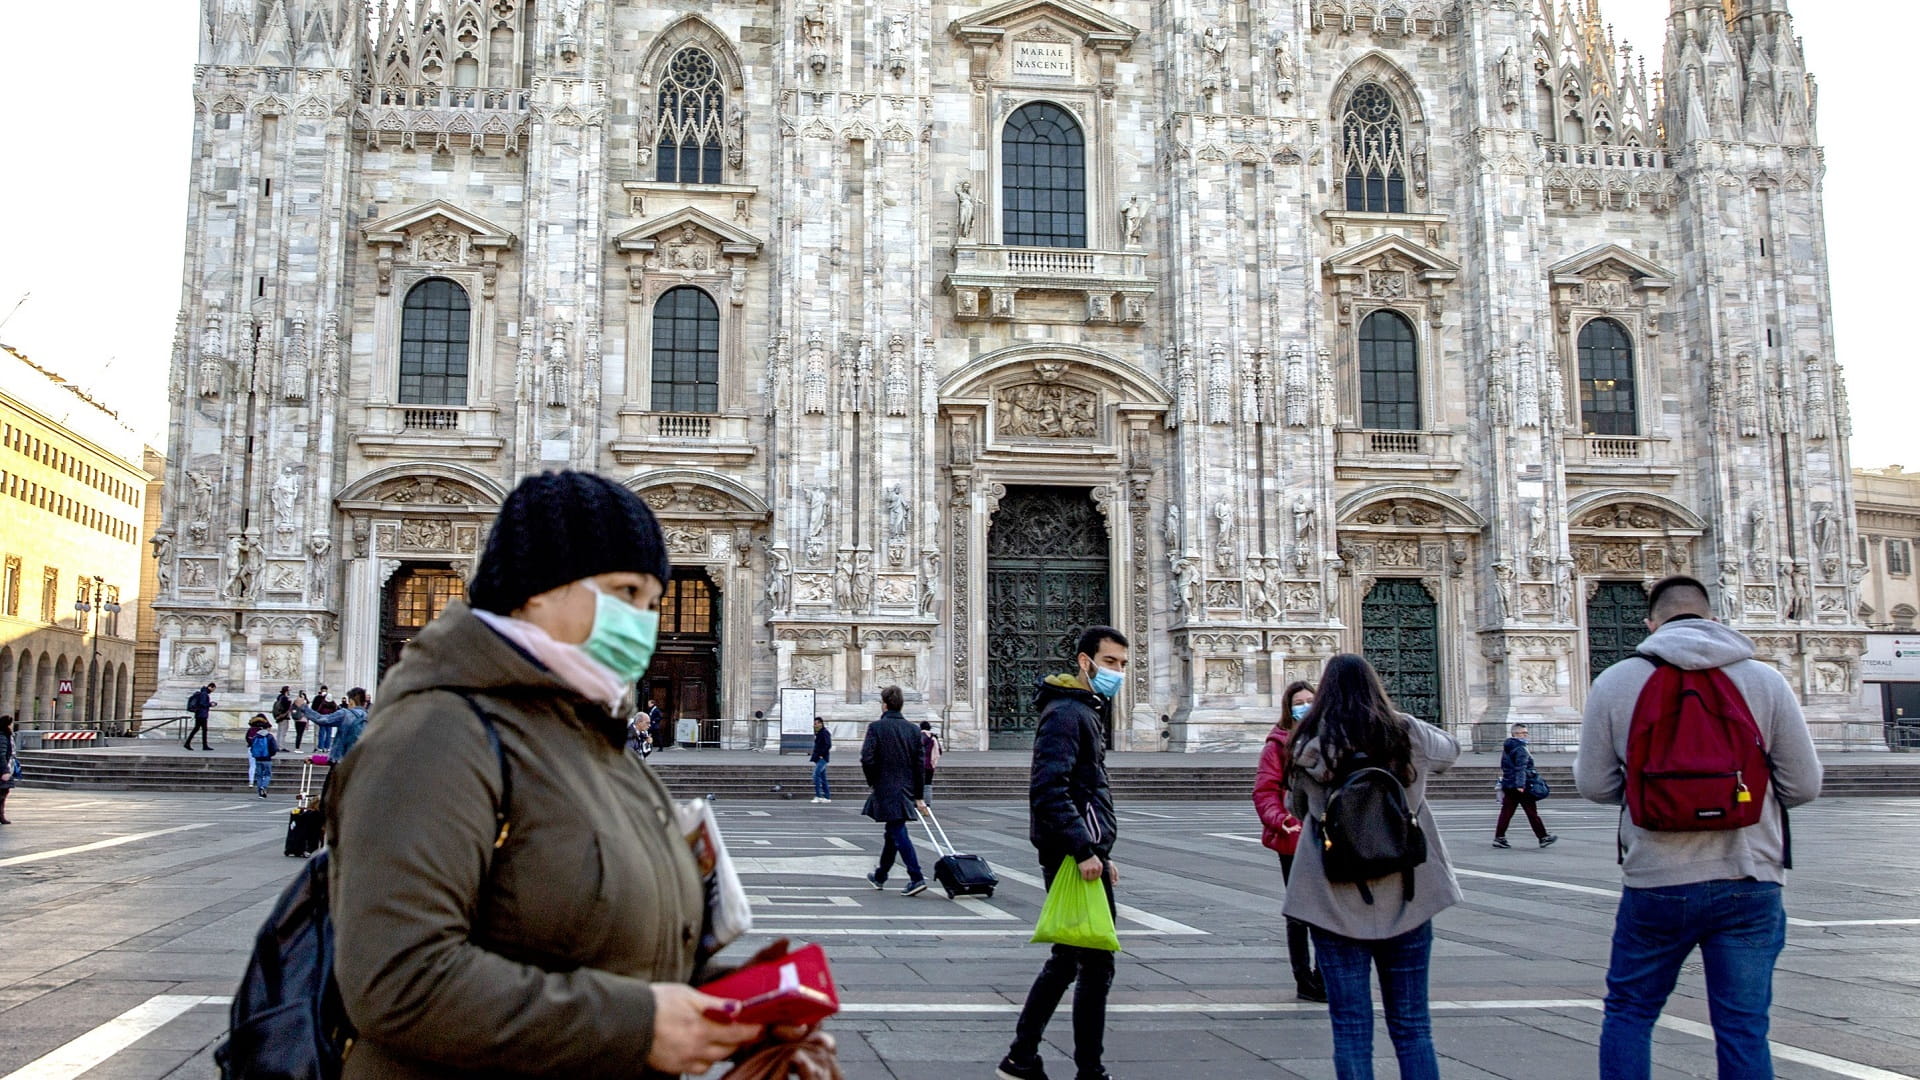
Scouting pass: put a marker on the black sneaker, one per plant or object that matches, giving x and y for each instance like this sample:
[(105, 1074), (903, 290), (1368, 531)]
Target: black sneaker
[(1311, 988), (914, 888), (874, 879), (1010, 1069), (1501, 842), (1549, 840)]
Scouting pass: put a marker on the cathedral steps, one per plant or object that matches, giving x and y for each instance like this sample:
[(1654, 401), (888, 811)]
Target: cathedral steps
[(1139, 778)]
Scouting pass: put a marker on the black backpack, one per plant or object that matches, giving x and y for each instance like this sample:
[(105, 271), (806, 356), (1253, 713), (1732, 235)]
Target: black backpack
[(1369, 831), (287, 1021)]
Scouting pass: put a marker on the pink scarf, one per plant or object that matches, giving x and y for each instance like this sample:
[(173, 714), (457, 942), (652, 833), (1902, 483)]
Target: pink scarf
[(593, 679)]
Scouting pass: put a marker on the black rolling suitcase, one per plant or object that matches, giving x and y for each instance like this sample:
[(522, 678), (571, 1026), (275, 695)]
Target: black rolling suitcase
[(960, 875), (305, 825)]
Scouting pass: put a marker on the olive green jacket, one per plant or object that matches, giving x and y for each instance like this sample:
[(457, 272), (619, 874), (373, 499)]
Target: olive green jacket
[(458, 960)]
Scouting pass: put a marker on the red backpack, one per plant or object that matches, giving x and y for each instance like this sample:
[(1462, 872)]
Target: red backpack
[(1695, 759)]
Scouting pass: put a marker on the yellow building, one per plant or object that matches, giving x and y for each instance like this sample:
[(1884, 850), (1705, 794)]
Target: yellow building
[(72, 498)]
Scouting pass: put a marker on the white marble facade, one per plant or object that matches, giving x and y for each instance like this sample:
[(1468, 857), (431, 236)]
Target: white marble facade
[(889, 364)]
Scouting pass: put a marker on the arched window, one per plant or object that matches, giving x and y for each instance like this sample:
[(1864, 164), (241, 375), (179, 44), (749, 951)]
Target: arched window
[(1389, 373), (1043, 179), (686, 352), (692, 110), (434, 328), (1376, 151), (1606, 380)]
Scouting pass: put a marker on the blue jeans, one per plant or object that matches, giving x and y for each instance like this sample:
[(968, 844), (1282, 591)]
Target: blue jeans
[(1740, 927), (1346, 964), (323, 737), (820, 788), (898, 841)]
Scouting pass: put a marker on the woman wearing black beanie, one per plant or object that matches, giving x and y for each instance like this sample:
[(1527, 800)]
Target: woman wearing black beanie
[(564, 943)]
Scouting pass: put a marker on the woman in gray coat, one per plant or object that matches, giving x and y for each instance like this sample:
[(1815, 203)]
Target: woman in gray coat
[(1382, 926)]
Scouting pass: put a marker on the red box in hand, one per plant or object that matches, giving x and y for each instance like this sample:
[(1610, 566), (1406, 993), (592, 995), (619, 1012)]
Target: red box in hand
[(795, 989)]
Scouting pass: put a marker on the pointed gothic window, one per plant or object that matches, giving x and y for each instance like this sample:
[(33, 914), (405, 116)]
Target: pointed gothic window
[(692, 110), (1043, 179), (1375, 148), (1606, 380), (1389, 373), (435, 326), (686, 352)]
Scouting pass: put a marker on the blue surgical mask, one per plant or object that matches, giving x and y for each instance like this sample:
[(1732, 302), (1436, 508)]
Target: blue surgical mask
[(1107, 683), (623, 636), (1300, 712)]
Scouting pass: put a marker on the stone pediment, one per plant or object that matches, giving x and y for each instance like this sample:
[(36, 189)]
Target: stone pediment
[(1093, 25), (659, 233), (1393, 253), (437, 218), (1610, 260)]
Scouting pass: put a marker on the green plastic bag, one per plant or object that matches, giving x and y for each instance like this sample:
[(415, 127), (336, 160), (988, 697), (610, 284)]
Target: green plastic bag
[(1076, 912)]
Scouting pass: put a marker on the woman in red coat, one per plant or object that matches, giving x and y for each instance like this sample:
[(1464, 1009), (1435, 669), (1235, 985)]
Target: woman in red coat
[(1281, 830)]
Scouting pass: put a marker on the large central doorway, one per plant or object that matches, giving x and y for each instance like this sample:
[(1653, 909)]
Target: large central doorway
[(1616, 624), (1400, 636), (415, 595), (1047, 575), (684, 677)]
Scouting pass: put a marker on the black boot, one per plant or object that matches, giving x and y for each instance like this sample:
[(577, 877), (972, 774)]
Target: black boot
[(1310, 987)]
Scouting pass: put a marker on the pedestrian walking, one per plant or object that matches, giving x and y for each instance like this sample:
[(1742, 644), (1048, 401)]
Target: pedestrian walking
[(299, 714), (1070, 815), (282, 713), (892, 760), (1280, 830), (1353, 746), (535, 912), (1520, 788), (930, 752), (657, 733), (200, 704), (1715, 889), (822, 753), (9, 765), (261, 748)]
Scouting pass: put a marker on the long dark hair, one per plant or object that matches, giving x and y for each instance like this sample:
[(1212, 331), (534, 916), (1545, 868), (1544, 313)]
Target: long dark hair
[(1286, 702), (1351, 715)]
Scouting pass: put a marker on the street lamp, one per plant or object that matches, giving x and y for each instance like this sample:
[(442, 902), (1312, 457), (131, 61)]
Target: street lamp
[(93, 597)]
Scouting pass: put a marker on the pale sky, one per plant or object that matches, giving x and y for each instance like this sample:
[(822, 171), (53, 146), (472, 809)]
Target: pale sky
[(93, 200)]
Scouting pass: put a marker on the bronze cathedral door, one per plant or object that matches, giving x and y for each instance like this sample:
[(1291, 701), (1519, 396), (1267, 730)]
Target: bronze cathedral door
[(1047, 575), (1400, 636)]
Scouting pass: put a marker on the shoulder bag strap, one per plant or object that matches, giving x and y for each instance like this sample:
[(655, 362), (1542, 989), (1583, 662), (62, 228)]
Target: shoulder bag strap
[(502, 808)]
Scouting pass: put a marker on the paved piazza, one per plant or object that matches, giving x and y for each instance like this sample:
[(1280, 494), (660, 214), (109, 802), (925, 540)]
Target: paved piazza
[(127, 918)]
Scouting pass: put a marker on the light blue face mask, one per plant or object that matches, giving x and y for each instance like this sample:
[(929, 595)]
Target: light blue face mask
[(1300, 712), (623, 637), (1107, 683)]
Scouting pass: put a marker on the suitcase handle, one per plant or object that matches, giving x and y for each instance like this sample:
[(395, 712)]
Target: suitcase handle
[(929, 822)]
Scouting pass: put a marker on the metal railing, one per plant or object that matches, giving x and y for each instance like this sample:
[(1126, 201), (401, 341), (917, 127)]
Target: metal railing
[(132, 727)]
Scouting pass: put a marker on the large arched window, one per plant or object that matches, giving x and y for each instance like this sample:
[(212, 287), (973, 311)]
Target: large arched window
[(1606, 380), (692, 112), (1389, 373), (1043, 179), (434, 329), (1375, 147), (686, 352)]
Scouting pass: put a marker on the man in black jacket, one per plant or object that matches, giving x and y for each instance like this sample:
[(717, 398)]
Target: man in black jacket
[(200, 704), (822, 753), (896, 772), (1072, 819)]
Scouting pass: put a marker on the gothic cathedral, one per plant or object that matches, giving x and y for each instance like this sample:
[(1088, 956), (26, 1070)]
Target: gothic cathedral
[(1260, 329)]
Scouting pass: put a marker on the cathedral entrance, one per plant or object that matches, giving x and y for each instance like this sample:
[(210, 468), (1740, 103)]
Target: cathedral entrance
[(1400, 636), (684, 677), (1616, 624), (414, 597), (1047, 579)]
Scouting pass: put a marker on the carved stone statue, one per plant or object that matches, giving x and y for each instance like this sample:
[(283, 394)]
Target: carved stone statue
[(1729, 602), (1758, 536), (1503, 588), (1283, 65), (1133, 215), (897, 35), (1566, 592), (1223, 520), (1170, 526), (964, 207), (286, 497), (1213, 44), (779, 581), (163, 560), (1509, 71), (843, 582), (1187, 588), (318, 545), (243, 564), (1536, 531), (899, 513), (814, 26), (1826, 532), (567, 15), (929, 582), (817, 512), (200, 506), (862, 583)]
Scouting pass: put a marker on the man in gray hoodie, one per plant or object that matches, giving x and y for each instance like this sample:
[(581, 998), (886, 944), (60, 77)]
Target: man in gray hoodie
[(1719, 891)]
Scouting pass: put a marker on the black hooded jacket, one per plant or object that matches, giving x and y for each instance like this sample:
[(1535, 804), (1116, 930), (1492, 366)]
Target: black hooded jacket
[(1072, 808)]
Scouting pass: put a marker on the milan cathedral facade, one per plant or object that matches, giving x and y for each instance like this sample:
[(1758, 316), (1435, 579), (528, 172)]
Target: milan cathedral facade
[(1261, 329)]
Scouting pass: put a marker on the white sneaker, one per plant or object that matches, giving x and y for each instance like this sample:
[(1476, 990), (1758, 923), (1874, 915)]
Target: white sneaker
[(817, 800)]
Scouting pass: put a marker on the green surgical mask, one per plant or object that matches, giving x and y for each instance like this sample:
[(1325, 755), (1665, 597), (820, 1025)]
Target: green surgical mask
[(623, 637)]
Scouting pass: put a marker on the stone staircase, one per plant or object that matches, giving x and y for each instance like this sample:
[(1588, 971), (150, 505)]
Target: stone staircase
[(1136, 778)]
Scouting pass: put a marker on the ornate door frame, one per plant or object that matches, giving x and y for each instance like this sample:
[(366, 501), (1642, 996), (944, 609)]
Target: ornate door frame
[(1403, 531), (1062, 416), (1622, 535)]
